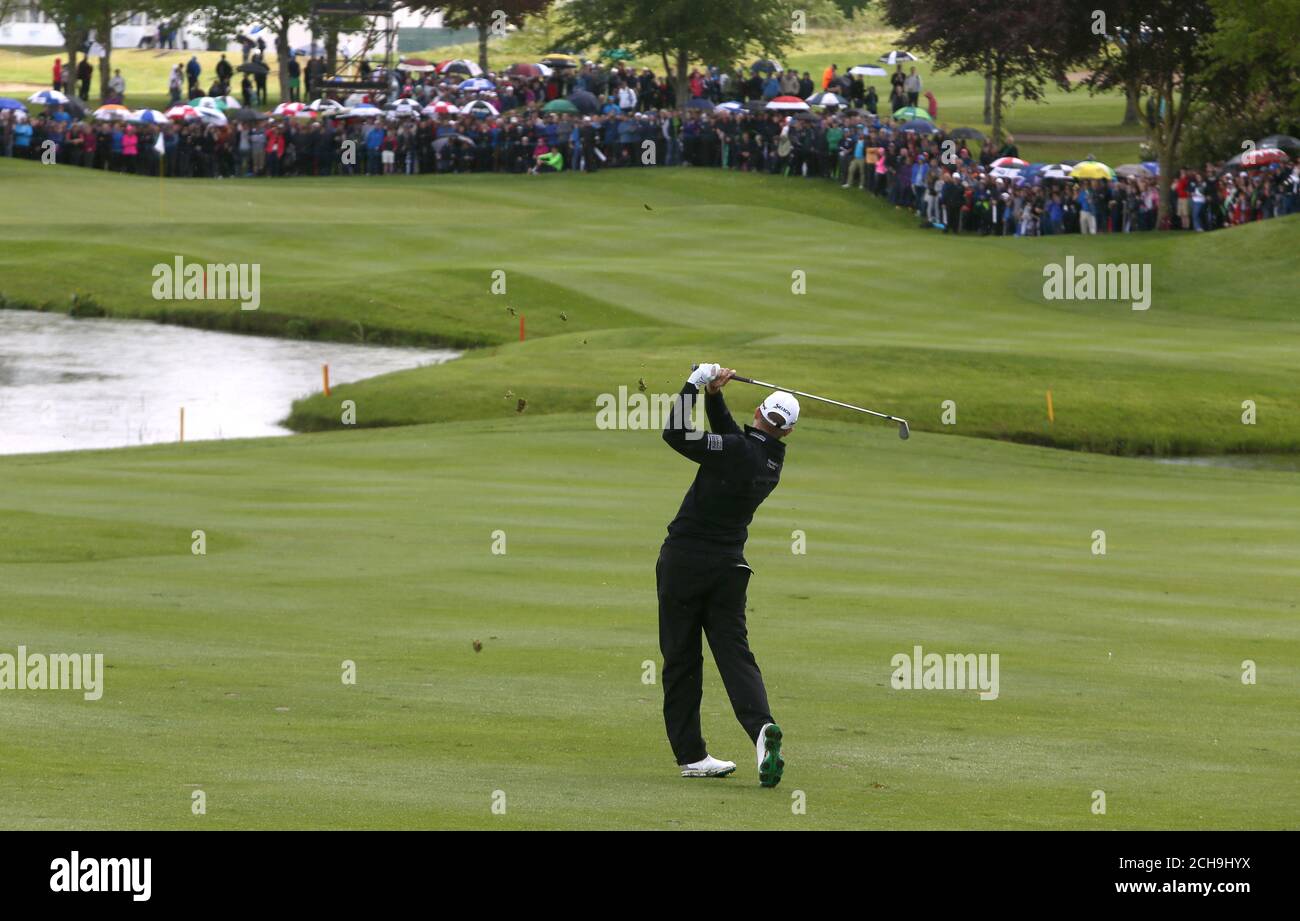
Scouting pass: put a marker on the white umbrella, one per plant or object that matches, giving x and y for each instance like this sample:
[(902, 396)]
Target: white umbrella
[(898, 57), (866, 70), (365, 110), (213, 116), (440, 108), (480, 105), (326, 106)]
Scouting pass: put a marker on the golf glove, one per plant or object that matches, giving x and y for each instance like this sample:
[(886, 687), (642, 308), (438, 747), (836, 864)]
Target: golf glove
[(703, 374)]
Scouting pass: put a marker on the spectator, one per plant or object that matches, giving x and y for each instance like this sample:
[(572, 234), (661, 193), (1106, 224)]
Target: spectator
[(912, 86)]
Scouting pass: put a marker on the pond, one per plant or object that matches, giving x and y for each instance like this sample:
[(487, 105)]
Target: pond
[(69, 384)]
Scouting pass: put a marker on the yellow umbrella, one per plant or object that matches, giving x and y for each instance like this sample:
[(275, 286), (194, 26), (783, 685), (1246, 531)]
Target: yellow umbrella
[(560, 60), (1092, 169)]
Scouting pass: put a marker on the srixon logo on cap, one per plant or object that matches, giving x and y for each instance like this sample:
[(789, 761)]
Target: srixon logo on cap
[(103, 874)]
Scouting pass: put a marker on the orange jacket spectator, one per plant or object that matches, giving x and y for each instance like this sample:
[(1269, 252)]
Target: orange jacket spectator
[(827, 76)]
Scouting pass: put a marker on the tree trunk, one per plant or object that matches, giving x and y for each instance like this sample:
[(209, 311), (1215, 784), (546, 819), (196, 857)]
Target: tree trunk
[(70, 75), (1132, 99), (683, 87), (283, 54), (105, 39), (997, 103), (482, 45), (331, 50), (988, 91)]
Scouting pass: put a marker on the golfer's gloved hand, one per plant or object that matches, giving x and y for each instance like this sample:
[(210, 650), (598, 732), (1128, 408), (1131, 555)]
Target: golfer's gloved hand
[(704, 373)]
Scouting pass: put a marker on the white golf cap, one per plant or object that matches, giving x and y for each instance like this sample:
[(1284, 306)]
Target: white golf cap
[(784, 405)]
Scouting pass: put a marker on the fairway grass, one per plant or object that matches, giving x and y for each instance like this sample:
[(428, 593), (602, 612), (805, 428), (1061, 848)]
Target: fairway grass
[(628, 275), (1118, 673), (373, 544)]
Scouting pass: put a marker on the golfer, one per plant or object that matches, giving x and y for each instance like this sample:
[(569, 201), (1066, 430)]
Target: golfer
[(702, 574)]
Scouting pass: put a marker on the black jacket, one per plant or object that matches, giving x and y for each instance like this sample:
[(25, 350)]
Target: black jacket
[(738, 469)]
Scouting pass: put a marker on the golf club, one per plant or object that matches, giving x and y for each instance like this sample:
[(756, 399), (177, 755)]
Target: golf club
[(903, 430)]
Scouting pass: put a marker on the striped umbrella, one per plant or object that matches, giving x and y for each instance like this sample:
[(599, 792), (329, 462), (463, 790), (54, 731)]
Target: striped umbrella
[(291, 108), (787, 104), (731, 106), (825, 99), (148, 117), (460, 66), (1263, 156), (48, 98), (480, 107), (440, 107), (365, 110), (7, 103), (1009, 161), (477, 84), (112, 113), (325, 106), (182, 113), (404, 108)]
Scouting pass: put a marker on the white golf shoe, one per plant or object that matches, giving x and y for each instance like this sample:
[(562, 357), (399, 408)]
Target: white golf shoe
[(708, 767)]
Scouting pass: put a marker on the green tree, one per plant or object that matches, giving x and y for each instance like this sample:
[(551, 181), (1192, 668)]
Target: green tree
[(487, 16), (1008, 41), (679, 31), (1165, 49), (73, 18)]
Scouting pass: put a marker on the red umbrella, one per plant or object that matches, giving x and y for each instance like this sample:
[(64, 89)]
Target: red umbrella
[(1015, 162), (1263, 156), (524, 70)]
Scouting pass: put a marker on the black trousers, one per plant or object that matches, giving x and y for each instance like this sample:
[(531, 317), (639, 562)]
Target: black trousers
[(700, 593)]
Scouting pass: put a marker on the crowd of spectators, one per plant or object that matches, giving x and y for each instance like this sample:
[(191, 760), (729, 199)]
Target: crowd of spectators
[(628, 119)]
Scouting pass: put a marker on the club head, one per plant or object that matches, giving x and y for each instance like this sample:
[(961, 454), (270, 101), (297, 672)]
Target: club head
[(903, 430)]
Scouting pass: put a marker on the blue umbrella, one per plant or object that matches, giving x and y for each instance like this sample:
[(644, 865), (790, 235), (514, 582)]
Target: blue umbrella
[(478, 84), (920, 126), (1153, 166), (6, 103), (732, 106), (698, 103)]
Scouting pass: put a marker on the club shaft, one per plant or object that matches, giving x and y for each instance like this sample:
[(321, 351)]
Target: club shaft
[(813, 396)]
